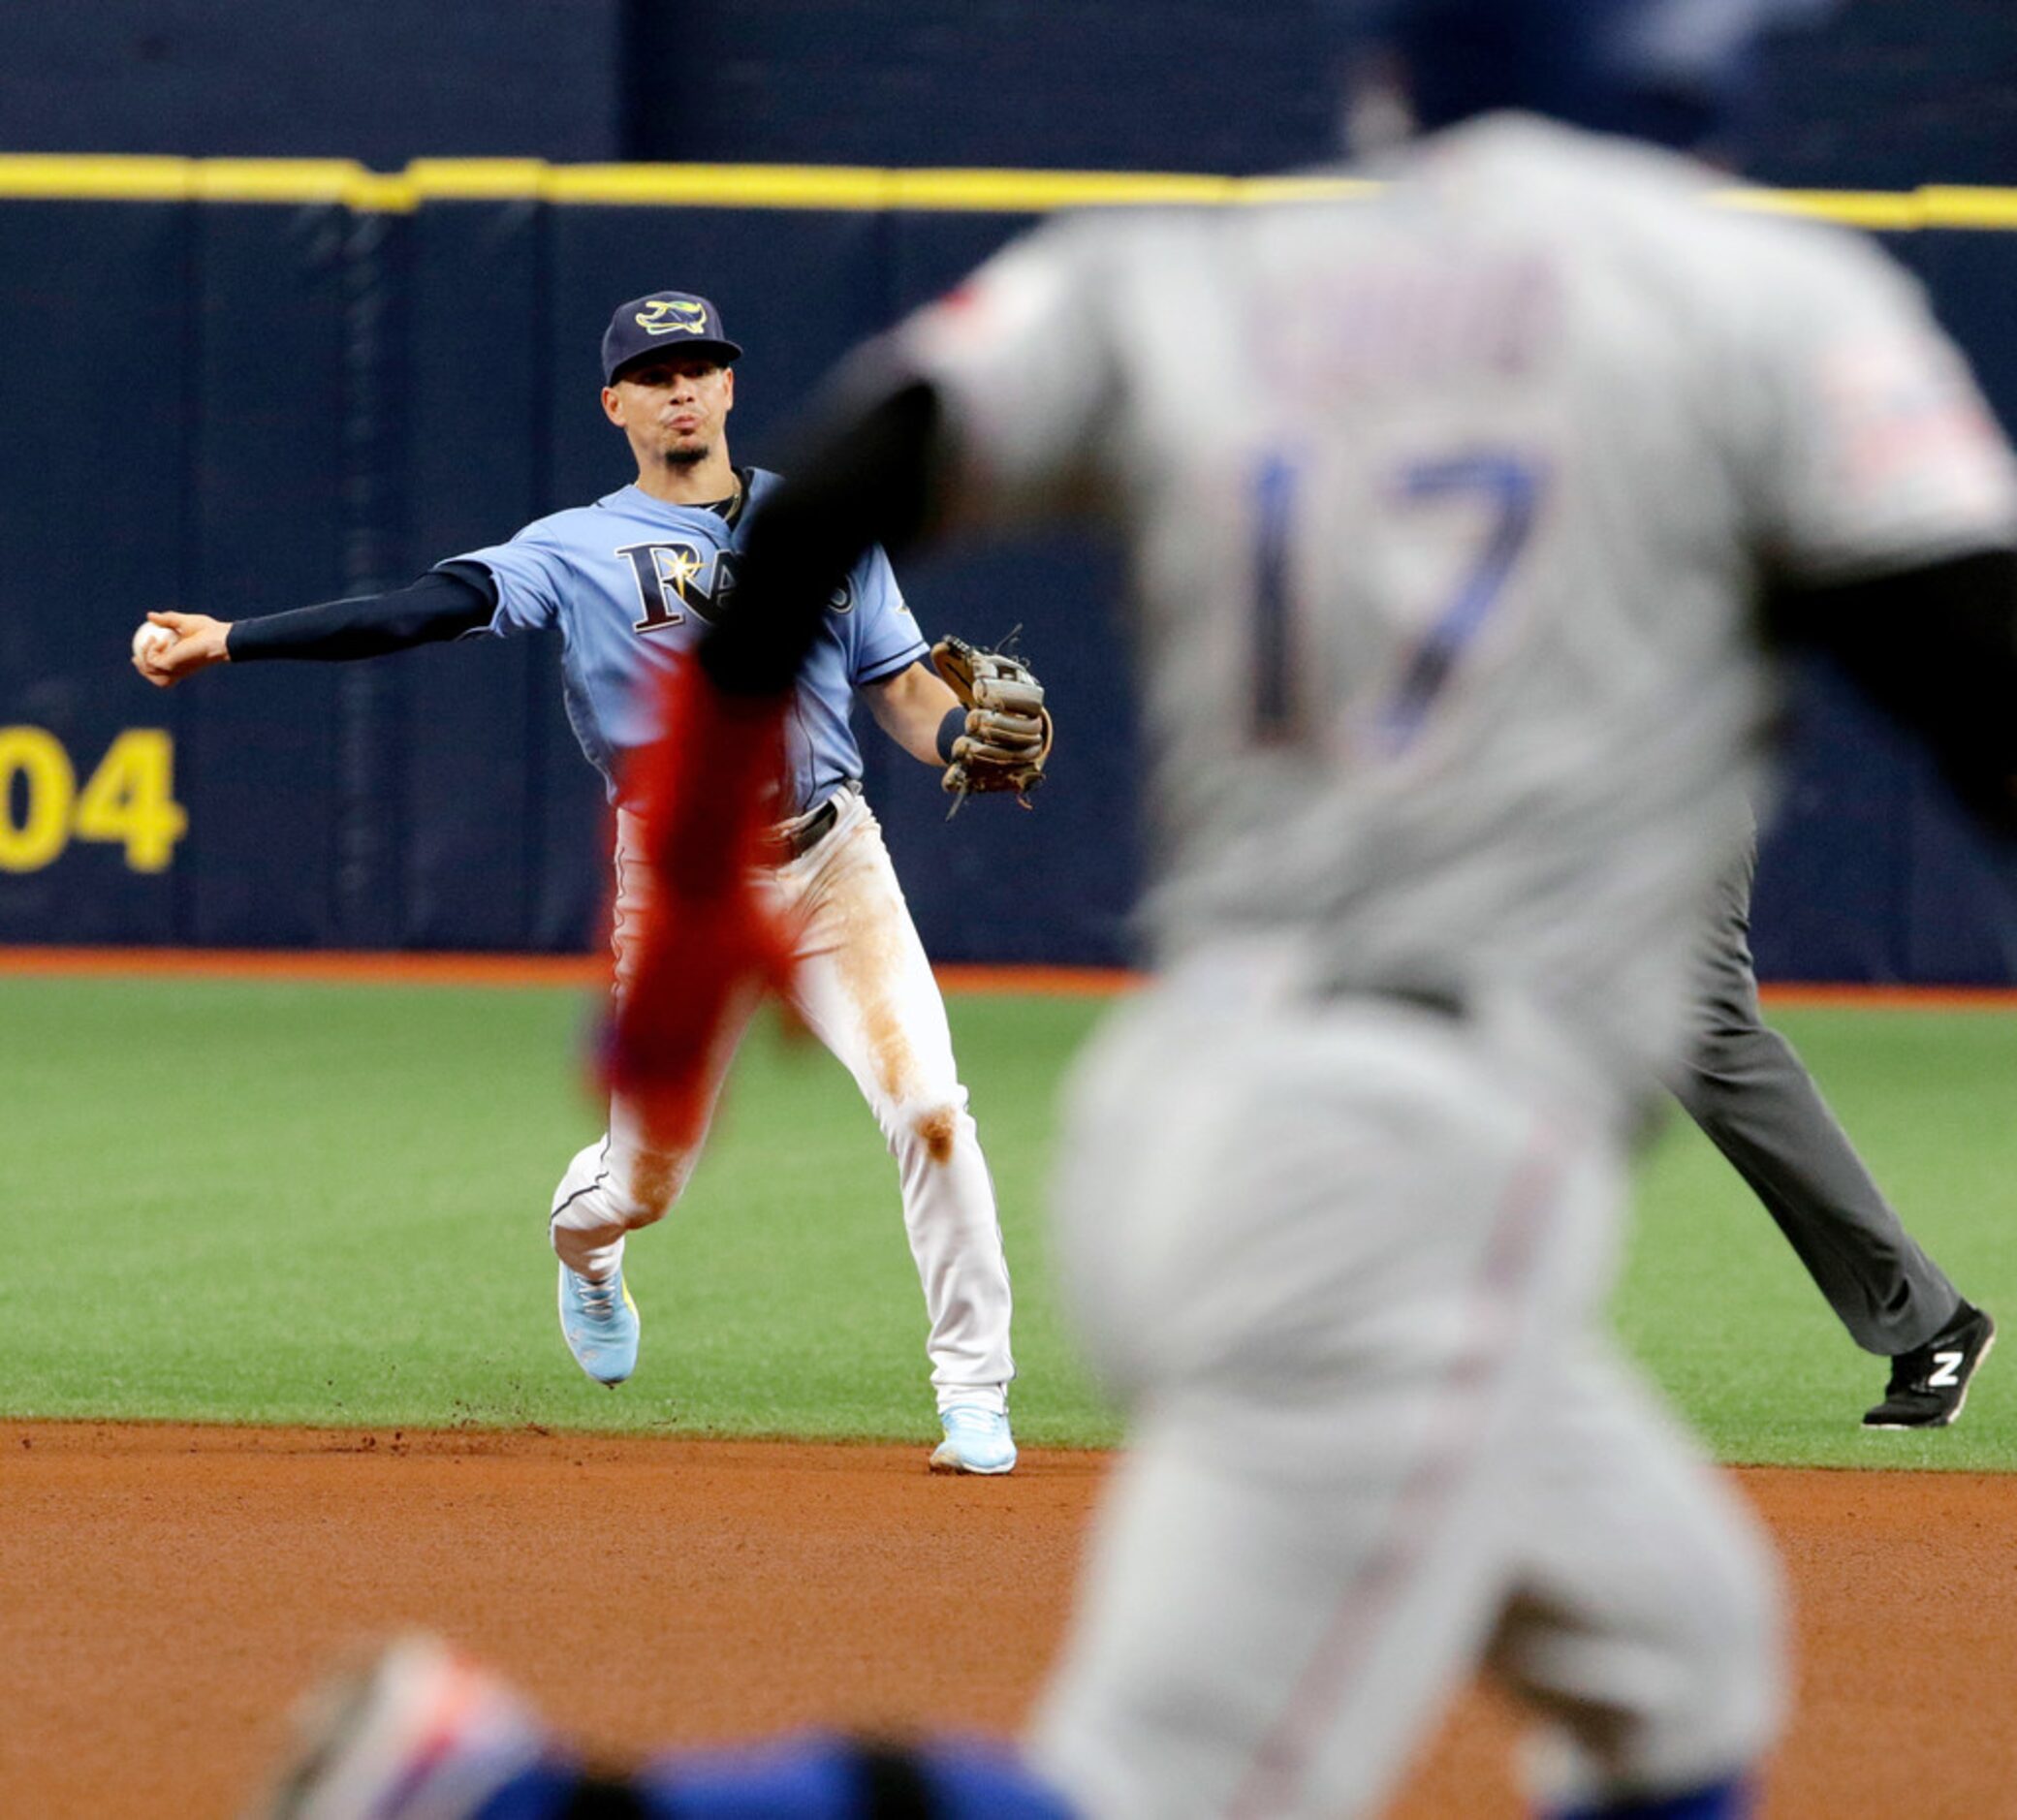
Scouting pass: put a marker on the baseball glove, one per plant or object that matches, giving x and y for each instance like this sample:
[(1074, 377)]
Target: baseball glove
[(1007, 738)]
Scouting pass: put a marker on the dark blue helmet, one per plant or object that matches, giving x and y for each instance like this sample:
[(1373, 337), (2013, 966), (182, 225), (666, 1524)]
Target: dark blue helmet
[(1676, 72)]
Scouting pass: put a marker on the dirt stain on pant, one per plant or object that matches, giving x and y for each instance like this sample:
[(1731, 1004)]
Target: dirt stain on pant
[(656, 1182), (939, 1128), (868, 955)]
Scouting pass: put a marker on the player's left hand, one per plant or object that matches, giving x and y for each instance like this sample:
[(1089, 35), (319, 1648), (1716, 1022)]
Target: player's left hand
[(1008, 735)]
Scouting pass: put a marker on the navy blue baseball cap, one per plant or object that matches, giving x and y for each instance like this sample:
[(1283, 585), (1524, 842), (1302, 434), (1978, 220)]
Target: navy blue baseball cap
[(665, 321)]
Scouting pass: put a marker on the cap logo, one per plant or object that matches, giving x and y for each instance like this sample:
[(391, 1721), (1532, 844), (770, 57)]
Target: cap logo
[(672, 317)]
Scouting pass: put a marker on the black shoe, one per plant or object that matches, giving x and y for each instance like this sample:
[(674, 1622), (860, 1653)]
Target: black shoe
[(1930, 1382)]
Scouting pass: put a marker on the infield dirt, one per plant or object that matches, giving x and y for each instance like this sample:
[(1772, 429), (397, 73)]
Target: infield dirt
[(164, 1591)]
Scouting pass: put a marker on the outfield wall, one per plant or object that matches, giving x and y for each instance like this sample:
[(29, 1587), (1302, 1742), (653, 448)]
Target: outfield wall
[(1885, 94), (241, 386)]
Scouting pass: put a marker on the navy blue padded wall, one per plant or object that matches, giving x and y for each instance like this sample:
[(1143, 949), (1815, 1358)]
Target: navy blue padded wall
[(263, 749), (1957, 921), (379, 80), (1126, 85), (334, 400), (476, 399), (96, 317), (1833, 867), (372, 759), (1888, 94)]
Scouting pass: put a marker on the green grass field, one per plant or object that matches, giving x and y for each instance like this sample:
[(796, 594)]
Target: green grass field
[(319, 1204)]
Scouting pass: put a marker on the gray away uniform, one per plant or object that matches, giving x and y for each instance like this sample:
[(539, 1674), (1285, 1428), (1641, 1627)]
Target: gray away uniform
[(1446, 510)]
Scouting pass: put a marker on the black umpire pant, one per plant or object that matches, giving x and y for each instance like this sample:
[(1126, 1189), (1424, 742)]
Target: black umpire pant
[(1755, 1100)]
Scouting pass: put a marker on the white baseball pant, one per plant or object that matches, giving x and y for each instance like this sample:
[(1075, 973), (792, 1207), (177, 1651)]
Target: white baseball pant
[(1345, 1263), (864, 989)]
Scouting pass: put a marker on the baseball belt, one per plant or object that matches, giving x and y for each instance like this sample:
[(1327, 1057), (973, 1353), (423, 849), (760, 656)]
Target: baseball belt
[(795, 839)]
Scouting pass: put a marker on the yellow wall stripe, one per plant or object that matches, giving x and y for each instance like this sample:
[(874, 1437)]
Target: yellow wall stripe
[(1893, 212), (130, 180), (855, 187), (339, 181), (718, 186), (1952, 206), (276, 179), (476, 180)]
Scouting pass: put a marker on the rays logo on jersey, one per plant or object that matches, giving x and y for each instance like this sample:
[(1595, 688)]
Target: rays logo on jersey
[(672, 317), (675, 579), (678, 579)]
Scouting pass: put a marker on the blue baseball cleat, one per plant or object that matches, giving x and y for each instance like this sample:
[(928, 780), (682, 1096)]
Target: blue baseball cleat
[(976, 1440), (600, 1324)]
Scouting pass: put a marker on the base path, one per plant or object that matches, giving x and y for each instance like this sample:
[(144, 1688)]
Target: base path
[(164, 1590)]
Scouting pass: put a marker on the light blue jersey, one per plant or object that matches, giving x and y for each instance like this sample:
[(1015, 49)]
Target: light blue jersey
[(631, 582)]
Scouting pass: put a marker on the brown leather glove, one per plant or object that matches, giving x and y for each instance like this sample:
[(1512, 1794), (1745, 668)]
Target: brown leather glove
[(1008, 733)]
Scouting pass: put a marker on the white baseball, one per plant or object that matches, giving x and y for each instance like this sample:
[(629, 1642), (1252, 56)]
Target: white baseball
[(151, 638)]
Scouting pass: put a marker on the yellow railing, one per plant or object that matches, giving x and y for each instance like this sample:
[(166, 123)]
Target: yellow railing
[(338, 181)]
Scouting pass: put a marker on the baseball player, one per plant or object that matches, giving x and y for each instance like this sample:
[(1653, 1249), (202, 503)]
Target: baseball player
[(1742, 1083), (630, 581), (1457, 514)]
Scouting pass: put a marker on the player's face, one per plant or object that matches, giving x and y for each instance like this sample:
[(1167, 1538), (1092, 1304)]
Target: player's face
[(673, 407)]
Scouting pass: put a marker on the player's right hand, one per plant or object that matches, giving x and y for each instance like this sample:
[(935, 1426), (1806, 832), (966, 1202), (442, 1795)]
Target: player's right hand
[(199, 642)]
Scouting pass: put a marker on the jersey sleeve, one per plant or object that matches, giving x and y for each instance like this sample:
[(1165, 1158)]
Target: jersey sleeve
[(530, 576), (1879, 451), (886, 639), (1022, 361)]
